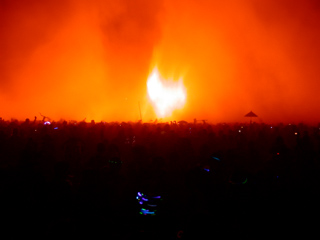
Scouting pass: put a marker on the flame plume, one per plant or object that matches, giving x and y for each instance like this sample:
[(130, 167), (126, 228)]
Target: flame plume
[(165, 95)]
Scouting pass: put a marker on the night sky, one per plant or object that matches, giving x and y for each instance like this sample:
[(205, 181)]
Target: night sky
[(76, 59)]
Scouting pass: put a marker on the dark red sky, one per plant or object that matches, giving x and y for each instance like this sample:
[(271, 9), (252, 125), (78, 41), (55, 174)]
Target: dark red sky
[(73, 59)]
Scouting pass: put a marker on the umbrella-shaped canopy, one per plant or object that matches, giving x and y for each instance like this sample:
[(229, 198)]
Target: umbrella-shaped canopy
[(251, 114)]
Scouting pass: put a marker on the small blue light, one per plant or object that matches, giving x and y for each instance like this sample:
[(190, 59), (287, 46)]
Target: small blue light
[(206, 169), (139, 194), (146, 211), (144, 199), (56, 128), (215, 158)]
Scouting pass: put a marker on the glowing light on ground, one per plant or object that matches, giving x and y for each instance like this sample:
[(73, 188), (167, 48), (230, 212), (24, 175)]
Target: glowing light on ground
[(165, 95)]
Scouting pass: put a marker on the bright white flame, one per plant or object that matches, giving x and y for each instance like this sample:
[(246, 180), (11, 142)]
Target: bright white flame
[(165, 96)]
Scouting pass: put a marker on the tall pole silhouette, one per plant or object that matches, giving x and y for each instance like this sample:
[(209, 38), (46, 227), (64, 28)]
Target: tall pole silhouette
[(140, 111)]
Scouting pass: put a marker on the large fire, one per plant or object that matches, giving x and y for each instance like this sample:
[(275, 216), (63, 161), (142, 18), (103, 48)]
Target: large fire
[(165, 95), (75, 60)]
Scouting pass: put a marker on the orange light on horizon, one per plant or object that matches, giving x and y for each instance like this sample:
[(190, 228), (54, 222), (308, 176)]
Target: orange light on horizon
[(165, 95)]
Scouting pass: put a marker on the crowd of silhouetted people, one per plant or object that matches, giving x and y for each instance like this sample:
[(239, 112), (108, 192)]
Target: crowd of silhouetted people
[(183, 180)]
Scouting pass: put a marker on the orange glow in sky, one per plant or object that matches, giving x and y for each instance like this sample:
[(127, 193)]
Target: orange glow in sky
[(76, 59)]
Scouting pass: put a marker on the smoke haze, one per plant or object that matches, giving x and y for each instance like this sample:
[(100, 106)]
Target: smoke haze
[(73, 59)]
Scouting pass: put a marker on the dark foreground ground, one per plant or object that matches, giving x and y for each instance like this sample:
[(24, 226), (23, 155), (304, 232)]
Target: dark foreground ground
[(198, 181)]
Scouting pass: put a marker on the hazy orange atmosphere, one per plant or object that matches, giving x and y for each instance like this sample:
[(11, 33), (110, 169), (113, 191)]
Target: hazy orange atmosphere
[(77, 59)]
